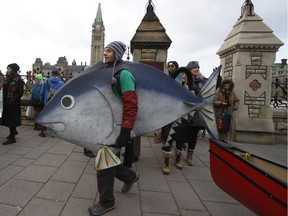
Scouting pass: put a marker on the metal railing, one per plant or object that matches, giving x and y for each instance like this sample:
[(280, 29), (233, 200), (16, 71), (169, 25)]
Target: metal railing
[(279, 93)]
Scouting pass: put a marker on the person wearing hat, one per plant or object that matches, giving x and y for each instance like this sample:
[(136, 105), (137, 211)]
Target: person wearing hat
[(13, 90), (48, 89), (225, 100), (187, 131), (35, 98), (174, 72), (123, 85), (195, 123)]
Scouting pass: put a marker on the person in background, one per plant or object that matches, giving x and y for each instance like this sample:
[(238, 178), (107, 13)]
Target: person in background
[(195, 123), (184, 80), (187, 131), (173, 68), (124, 87), (13, 90), (48, 89), (35, 98), (225, 100)]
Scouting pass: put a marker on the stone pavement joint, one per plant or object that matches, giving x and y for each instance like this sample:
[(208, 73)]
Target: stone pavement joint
[(48, 176)]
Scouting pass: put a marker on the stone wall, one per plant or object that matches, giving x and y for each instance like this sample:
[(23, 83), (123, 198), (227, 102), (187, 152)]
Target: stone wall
[(280, 125)]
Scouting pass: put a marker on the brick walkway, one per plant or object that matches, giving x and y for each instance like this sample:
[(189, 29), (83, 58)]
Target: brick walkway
[(48, 176)]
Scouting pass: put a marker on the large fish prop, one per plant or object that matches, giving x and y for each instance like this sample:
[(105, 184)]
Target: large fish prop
[(86, 112)]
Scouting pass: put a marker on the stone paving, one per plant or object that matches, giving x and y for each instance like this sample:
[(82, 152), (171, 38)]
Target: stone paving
[(51, 177)]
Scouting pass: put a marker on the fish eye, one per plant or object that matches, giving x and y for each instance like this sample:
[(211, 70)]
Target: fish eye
[(67, 102)]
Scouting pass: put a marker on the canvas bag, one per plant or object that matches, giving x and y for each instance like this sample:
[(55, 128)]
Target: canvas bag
[(29, 112)]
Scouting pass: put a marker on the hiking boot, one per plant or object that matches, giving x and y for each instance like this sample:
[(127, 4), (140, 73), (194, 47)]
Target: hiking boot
[(9, 141), (177, 159), (99, 209), (166, 165), (189, 160), (127, 187)]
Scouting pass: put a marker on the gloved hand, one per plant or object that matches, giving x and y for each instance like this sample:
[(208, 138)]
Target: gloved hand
[(124, 138)]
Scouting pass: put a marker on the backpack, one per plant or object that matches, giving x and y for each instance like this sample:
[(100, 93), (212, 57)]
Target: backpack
[(51, 91)]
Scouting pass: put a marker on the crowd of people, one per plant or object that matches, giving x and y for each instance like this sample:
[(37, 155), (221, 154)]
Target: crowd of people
[(190, 77), (13, 90)]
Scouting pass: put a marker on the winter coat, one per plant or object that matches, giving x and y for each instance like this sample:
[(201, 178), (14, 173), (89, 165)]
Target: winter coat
[(232, 104), (13, 90), (55, 83), (229, 97)]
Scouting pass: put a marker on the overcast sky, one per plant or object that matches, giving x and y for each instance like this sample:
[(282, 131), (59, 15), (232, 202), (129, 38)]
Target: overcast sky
[(45, 29)]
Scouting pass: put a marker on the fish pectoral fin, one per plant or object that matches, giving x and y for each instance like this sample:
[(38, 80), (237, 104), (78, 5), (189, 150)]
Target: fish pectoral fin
[(105, 159)]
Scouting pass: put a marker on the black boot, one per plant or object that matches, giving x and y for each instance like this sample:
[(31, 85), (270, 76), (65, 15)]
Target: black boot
[(11, 138), (9, 141)]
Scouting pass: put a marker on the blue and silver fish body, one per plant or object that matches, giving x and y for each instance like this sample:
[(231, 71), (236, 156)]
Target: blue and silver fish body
[(86, 112)]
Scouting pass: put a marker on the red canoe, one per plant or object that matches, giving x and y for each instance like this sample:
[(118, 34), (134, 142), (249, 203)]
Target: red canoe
[(257, 183)]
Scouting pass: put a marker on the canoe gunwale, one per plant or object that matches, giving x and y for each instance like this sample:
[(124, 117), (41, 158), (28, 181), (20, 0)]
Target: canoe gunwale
[(219, 148), (229, 148)]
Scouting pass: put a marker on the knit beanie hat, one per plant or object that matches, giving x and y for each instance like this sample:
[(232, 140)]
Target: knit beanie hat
[(118, 47), (14, 67), (39, 76), (193, 64)]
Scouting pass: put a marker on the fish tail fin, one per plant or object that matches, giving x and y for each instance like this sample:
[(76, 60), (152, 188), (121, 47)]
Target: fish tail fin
[(179, 129), (207, 111)]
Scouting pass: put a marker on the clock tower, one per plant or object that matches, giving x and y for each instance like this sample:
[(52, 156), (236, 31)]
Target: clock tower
[(97, 39)]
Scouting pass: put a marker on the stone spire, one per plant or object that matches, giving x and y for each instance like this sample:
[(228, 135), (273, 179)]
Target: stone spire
[(98, 18), (250, 32), (247, 54), (150, 42), (97, 39)]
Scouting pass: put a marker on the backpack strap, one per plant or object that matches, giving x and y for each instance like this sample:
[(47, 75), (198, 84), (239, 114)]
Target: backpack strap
[(47, 84), (117, 85)]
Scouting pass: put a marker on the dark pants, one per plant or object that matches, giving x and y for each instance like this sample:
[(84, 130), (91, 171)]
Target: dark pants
[(105, 181), (137, 146), (192, 136), (132, 151), (194, 130)]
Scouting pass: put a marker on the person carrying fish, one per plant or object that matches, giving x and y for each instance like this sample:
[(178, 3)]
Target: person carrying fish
[(123, 85)]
